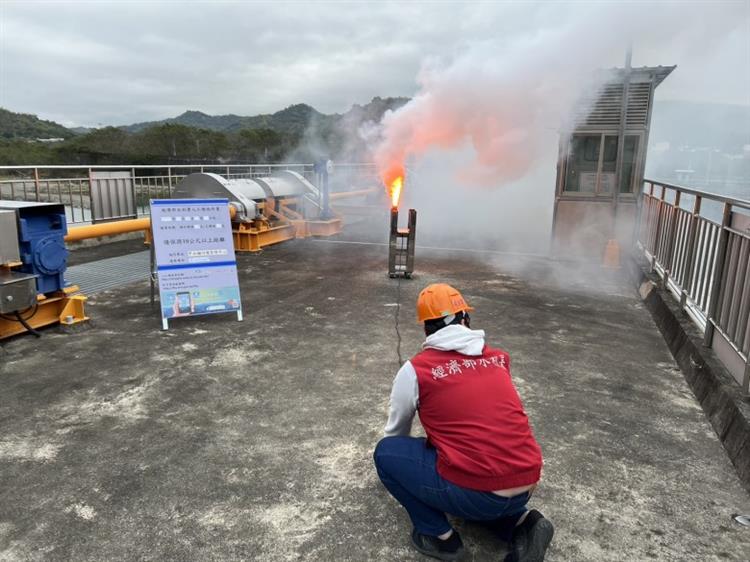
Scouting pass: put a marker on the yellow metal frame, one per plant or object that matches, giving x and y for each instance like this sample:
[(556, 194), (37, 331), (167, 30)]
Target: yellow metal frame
[(261, 232), (284, 222), (62, 307)]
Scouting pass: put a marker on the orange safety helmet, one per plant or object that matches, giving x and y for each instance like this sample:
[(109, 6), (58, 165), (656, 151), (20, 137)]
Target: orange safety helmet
[(438, 300)]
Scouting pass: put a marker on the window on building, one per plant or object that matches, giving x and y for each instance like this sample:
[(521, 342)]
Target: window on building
[(608, 169), (583, 162), (592, 164), (629, 154)]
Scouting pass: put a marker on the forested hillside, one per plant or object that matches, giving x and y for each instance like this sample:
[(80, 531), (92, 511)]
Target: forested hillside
[(299, 132), (29, 127)]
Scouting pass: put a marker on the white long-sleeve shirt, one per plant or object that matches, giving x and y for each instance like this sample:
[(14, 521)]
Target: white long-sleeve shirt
[(405, 392)]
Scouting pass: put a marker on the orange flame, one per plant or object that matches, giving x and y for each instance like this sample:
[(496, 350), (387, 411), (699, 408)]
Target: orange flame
[(393, 180), (396, 186)]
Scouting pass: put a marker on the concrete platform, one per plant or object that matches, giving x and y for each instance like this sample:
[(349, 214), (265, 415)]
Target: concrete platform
[(221, 440)]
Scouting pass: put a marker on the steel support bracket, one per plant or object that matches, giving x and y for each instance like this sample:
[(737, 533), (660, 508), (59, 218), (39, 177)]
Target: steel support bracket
[(63, 307)]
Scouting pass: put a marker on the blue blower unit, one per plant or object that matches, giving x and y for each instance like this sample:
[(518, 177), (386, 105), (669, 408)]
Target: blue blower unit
[(41, 239)]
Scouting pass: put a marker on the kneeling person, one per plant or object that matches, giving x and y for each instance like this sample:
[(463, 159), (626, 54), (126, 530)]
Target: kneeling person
[(480, 460)]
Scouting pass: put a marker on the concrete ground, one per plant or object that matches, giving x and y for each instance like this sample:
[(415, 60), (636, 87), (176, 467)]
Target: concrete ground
[(220, 440)]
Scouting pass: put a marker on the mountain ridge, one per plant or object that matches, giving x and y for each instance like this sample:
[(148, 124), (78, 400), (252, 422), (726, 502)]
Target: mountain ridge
[(26, 126), (293, 119)]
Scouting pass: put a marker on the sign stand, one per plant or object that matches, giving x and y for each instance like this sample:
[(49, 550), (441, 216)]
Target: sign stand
[(193, 258), (152, 276)]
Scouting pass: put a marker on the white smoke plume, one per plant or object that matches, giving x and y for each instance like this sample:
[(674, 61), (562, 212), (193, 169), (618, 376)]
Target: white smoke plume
[(502, 95), (489, 116)]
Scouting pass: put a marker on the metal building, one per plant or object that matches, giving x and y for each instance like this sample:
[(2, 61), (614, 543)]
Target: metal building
[(601, 161)]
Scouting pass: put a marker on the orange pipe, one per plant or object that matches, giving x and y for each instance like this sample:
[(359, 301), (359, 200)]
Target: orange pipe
[(346, 194), (77, 233)]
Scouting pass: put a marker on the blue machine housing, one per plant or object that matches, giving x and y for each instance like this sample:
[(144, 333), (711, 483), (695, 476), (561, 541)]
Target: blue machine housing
[(41, 237)]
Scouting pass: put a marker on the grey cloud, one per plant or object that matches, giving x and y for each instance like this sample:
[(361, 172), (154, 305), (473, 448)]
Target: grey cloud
[(84, 63)]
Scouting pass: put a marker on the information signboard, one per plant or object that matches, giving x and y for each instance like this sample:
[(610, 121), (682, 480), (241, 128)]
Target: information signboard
[(194, 254)]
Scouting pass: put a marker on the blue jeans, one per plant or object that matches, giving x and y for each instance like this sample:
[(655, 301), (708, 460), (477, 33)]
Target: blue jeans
[(407, 468)]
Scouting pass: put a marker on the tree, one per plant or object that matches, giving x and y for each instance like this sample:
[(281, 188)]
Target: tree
[(261, 145), (25, 153)]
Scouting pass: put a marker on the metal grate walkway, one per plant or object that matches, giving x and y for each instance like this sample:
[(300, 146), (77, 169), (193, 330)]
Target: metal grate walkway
[(110, 273)]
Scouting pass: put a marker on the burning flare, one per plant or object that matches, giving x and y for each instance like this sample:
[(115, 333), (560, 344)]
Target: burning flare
[(395, 190), (393, 180)]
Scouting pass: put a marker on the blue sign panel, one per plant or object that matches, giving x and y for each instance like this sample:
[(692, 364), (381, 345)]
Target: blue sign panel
[(194, 257)]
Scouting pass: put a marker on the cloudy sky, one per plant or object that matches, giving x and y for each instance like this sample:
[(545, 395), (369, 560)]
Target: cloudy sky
[(118, 62)]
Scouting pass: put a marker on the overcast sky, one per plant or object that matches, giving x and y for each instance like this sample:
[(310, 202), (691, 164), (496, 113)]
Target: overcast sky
[(118, 62)]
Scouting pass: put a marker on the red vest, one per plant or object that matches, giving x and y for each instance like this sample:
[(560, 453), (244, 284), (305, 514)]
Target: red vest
[(473, 416)]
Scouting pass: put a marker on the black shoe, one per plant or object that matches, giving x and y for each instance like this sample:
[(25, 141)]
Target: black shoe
[(531, 539), (451, 548)]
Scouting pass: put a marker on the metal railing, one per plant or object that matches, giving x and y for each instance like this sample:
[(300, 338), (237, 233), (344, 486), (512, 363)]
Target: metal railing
[(72, 185), (699, 244)]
